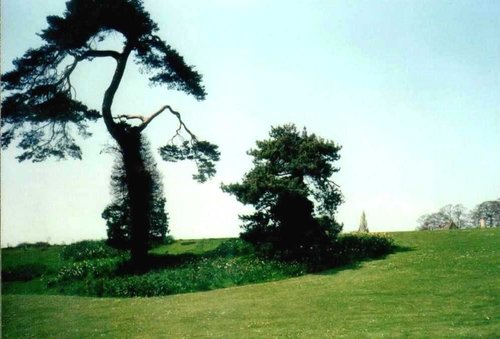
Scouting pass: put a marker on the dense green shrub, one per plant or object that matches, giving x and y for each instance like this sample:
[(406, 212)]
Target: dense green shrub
[(118, 215), (232, 263), (87, 269), (359, 245), (343, 249), (24, 272), (169, 239), (205, 274), (88, 250)]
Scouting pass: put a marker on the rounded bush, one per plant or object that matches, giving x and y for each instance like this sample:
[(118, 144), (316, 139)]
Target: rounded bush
[(88, 250)]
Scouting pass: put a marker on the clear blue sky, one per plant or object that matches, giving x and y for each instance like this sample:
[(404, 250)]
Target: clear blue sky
[(411, 89)]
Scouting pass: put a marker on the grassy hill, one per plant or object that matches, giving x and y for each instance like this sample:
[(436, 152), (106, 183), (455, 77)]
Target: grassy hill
[(447, 284)]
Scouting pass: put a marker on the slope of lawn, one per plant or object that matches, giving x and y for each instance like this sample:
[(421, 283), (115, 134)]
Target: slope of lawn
[(446, 284), (195, 246), (34, 261)]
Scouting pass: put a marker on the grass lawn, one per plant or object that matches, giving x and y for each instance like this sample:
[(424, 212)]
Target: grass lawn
[(195, 246), (49, 256), (446, 285)]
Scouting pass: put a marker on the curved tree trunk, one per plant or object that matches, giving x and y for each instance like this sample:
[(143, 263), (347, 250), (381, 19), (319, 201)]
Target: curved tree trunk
[(137, 177)]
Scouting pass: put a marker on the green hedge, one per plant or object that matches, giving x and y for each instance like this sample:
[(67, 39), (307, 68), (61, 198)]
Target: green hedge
[(358, 246)]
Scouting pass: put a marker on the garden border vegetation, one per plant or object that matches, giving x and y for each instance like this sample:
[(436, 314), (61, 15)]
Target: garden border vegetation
[(91, 268)]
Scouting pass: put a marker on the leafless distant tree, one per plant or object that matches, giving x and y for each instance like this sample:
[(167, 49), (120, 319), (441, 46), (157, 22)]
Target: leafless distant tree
[(489, 211)]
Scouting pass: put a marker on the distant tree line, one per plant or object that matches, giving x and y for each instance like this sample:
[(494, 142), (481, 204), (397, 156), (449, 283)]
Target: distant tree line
[(485, 214)]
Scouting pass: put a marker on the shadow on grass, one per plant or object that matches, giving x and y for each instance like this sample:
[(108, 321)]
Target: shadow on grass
[(228, 249), (398, 248), (352, 266), (237, 248), (357, 263)]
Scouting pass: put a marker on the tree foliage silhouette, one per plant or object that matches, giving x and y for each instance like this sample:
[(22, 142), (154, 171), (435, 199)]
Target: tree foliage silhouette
[(291, 170), (117, 213), (41, 111)]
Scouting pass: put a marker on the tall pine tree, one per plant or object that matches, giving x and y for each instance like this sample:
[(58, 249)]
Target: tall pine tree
[(291, 189), (40, 108)]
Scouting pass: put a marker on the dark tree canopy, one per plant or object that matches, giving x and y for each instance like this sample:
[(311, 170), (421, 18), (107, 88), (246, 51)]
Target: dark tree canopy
[(40, 110), (117, 213), (291, 170)]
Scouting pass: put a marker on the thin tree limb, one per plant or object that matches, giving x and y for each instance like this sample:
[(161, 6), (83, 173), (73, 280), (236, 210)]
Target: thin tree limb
[(147, 121), (92, 53), (181, 123), (130, 117)]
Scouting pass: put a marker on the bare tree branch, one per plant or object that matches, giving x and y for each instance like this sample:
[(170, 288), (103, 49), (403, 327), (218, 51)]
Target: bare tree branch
[(147, 121), (129, 117), (52, 137), (181, 123), (66, 77), (332, 183)]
